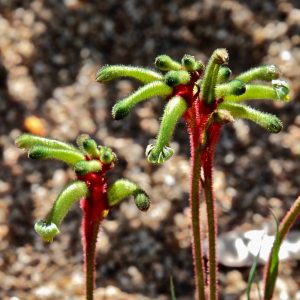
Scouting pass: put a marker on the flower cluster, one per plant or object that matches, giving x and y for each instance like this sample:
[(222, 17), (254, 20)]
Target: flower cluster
[(218, 96)]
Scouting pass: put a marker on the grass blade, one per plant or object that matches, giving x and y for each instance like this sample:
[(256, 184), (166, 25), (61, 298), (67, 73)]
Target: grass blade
[(172, 289)]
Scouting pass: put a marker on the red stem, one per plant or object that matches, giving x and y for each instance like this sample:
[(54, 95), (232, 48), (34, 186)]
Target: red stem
[(94, 208), (195, 203)]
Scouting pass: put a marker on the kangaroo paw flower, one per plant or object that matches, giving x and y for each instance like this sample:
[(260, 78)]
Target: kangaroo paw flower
[(27, 141), (278, 91), (218, 58), (268, 121), (223, 75), (84, 167), (166, 63), (68, 156), (191, 64), (234, 87), (174, 110), (108, 73), (106, 155), (122, 189), (265, 73), (173, 78), (123, 107)]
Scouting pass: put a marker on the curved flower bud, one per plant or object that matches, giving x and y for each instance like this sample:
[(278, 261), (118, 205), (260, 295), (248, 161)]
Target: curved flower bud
[(90, 147), (265, 73), (72, 193), (234, 87), (223, 75), (144, 75), (279, 91), (84, 167), (157, 88), (68, 156), (166, 63), (46, 230), (173, 78), (123, 188), (107, 156), (191, 64), (268, 121), (219, 57), (28, 141), (174, 109)]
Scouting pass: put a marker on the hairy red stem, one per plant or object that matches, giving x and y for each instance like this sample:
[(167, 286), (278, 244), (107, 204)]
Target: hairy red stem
[(95, 208)]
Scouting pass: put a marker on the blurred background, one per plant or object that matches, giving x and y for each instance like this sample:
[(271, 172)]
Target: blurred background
[(50, 52)]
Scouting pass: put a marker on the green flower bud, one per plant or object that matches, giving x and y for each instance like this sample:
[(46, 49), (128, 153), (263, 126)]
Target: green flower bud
[(142, 201), (268, 121), (173, 78), (191, 64), (28, 141), (122, 189), (166, 63), (224, 74), (106, 155), (90, 147), (234, 87), (155, 88), (84, 167), (68, 156), (265, 73), (144, 75)]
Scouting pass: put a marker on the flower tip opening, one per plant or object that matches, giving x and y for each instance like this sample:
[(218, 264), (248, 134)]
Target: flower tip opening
[(160, 156), (46, 230)]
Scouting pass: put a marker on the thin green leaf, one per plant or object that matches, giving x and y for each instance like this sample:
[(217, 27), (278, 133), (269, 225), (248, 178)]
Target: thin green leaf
[(252, 274), (272, 271), (172, 289)]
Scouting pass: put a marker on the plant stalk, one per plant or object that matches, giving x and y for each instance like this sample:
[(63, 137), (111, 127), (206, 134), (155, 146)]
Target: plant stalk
[(195, 161), (212, 221)]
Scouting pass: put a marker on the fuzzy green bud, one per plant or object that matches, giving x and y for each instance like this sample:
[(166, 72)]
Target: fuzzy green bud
[(173, 78), (219, 57), (224, 74), (84, 167), (268, 121), (122, 189), (166, 63), (28, 141), (142, 201), (157, 88), (106, 155), (90, 147), (68, 156), (144, 75), (191, 64), (234, 87), (265, 73)]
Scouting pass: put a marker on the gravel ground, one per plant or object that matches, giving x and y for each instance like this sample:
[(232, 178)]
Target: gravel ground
[(49, 54)]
